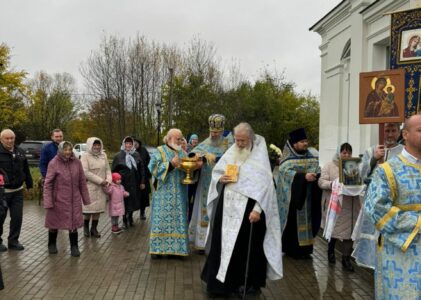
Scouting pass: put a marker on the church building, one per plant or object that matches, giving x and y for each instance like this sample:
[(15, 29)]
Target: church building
[(355, 38)]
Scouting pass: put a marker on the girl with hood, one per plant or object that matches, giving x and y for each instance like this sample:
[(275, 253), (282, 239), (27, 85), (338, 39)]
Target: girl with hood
[(64, 191), (98, 175), (130, 166)]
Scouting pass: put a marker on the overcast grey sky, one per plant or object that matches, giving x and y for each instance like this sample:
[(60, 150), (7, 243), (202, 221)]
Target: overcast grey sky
[(57, 35)]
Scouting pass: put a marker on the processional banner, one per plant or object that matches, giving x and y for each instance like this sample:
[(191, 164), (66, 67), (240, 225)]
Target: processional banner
[(405, 53)]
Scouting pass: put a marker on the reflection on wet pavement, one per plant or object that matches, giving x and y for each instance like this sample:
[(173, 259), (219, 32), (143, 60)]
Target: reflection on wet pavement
[(118, 267)]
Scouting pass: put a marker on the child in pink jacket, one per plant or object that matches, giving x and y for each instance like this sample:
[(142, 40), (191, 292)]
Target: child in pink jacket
[(116, 204)]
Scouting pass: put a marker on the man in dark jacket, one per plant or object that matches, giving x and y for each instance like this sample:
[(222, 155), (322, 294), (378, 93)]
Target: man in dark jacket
[(144, 196), (49, 151), (14, 167)]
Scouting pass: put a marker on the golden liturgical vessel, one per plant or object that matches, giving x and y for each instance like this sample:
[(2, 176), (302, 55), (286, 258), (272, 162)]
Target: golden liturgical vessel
[(188, 165)]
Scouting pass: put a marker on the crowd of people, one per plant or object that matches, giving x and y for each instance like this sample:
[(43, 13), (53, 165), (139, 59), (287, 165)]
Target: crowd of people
[(240, 212)]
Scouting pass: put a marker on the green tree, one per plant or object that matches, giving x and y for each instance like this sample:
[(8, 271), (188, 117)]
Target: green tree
[(273, 109), (193, 101), (80, 128), (130, 78), (12, 93), (51, 104), (103, 115)]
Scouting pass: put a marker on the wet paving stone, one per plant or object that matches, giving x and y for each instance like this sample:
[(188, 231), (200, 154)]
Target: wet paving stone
[(119, 267)]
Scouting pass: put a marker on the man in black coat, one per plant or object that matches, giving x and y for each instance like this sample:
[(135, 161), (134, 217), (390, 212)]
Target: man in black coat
[(145, 157), (15, 169)]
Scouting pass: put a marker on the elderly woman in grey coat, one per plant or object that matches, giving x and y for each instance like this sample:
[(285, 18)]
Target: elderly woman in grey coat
[(349, 210), (98, 175)]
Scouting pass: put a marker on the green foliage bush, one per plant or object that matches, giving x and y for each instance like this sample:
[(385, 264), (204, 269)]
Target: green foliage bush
[(35, 193)]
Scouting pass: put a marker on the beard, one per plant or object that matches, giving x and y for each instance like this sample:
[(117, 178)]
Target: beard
[(389, 142), (175, 146), (241, 154), (216, 141)]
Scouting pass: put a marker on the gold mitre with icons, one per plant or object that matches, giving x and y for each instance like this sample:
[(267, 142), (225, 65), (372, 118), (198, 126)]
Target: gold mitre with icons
[(216, 122)]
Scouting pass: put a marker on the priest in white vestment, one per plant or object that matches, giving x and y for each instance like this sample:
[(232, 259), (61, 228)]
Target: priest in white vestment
[(235, 205)]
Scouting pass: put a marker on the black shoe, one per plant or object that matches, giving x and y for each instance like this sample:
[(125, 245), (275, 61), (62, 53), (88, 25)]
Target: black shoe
[(74, 247), (94, 231), (86, 228), (52, 249), (52, 240), (331, 258), (130, 219), (125, 226), (74, 251), (125, 223), (3, 248), (347, 265), (250, 291), (16, 246)]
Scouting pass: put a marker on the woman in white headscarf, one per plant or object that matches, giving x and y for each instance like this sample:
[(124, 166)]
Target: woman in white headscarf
[(130, 166), (98, 175)]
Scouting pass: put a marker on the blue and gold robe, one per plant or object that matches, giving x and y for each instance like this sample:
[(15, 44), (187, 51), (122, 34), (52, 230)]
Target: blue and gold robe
[(365, 235), (199, 222), (299, 201), (394, 204), (168, 235)]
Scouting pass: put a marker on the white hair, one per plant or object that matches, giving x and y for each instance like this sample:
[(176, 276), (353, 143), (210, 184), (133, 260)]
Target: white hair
[(171, 133), (6, 131), (245, 127)]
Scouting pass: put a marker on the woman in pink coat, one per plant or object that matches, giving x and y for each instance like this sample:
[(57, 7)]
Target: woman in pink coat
[(64, 191)]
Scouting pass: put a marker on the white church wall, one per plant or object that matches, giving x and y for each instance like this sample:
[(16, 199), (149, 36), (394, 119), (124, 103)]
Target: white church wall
[(369, 32), (332, 107)]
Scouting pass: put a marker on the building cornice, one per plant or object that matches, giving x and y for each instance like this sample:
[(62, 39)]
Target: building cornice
[(334, 70), (375, 12), (333, 14)]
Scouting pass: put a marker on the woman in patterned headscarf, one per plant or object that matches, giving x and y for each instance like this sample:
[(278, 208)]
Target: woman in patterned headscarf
[(65, 190), (130, 166)]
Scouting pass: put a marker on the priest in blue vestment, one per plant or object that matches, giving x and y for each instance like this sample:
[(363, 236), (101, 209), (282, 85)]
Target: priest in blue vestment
[(393, 202), (168, 233), (299, 197), (210, 150)]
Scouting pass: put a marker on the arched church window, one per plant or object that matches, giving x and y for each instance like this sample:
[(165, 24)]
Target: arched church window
[(346, 53)]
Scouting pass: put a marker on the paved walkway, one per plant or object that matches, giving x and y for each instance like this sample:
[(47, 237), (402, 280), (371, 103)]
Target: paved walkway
[(119, 267)]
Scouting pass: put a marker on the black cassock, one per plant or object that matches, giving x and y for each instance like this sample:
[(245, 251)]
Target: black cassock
[(299, 186), (235, 275), (130, 179)]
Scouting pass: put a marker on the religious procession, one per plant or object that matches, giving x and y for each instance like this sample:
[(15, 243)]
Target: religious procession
[(222, 199), (173, 175)]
